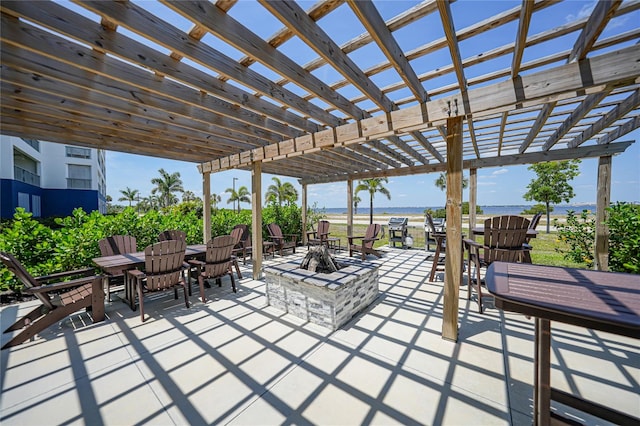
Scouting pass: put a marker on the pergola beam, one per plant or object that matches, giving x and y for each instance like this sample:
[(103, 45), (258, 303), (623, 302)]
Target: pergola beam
[(505, 160), (563, 80)]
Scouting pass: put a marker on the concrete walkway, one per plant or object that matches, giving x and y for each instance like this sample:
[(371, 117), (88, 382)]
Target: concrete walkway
[(236, 361)]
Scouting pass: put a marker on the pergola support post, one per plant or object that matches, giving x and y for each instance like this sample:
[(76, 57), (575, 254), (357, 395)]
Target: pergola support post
[(256, 218), (304, 214), (349, 206), (453, 260), (206, 207), (473, 199), (601, 255)]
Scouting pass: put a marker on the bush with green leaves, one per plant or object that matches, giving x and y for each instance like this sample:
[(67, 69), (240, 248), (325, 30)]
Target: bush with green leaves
[(288, 217), (537, 208), (579, 235), (624, 237)]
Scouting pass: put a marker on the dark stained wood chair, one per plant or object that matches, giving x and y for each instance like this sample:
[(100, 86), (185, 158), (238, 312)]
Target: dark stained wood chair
[(164, 269), (172, 234), (282, 241), (319, 237), (440, 239), (110, 246), (58, 298), (532, 227), (504, 240), (243, 247), (217, 264), (366, 242)]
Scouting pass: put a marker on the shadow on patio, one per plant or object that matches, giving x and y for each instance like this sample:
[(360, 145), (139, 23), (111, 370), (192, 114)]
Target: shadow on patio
[(234, 360)]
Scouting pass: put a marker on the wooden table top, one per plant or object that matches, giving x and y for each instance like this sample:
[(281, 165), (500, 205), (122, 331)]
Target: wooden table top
[(132, 260), (598, 300)]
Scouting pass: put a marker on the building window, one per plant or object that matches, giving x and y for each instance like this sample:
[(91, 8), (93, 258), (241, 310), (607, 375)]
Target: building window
[(25, 169), (76, 152), (79, 177), (23, 201), (35, 206), (34, 143)]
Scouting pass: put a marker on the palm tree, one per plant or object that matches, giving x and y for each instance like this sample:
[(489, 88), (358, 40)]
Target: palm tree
[(373, 185), (242, 195), (441, 182), (356, 200), (128, 195), (166, 185), (189, 196), (279, 192), (215, 199)]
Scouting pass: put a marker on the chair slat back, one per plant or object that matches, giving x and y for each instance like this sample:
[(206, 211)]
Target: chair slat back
[(236, 233), (323, 228), (14, 265), (534, 221), (172, 234), (218, 258), (372, 232), (504, 237), (163, 264), (275, 231), (117, 244)]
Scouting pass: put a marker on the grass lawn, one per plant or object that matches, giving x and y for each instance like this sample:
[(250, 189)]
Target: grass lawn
[(544, 245)]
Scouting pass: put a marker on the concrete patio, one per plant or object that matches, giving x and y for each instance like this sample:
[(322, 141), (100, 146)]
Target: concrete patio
[(235, 360)]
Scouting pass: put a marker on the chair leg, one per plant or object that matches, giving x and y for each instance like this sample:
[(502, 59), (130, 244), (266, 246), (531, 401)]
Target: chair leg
[(140, 300), (436, 258), (201, 284), (46, 321), (186, 297), (27, 319), (237, 266), (233, 282)]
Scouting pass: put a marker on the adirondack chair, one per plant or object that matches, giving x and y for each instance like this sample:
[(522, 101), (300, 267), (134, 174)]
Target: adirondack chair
[(504, 240), (116, 244), (163, 270), (217, 263), (58, 298), (172, 234), (244, 244), (281, 243), (526, 256), (440, 239), (366, 242), (319, 237)]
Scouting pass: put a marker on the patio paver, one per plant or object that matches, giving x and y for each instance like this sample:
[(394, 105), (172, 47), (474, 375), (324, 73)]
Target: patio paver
[(236, 361)]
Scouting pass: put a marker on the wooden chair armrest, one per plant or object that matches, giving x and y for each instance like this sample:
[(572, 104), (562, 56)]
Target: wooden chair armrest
[(195, 262), (369, 239), (59, 275), (136, 273), (48, 288)]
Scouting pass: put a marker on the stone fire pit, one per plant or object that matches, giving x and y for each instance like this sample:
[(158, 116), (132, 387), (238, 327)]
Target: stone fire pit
[(329, 300)]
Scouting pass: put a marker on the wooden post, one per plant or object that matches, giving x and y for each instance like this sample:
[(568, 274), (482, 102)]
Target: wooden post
[(304, 214), (453, 260), (473, 200), (601, 255), (206, 207), (349, 206), (256, 218)]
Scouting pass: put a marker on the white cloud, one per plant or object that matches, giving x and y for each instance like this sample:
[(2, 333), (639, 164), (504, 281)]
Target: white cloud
[(487, 183), (500, 172), (584, 12)]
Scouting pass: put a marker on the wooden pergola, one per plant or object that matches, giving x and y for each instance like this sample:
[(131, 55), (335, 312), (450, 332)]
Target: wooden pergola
[(159, 79)]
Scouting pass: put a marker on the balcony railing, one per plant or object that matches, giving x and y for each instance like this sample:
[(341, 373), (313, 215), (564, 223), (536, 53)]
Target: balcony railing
[(25, 176), (74, 183)]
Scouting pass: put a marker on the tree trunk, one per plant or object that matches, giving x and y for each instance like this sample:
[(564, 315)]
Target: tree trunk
[(371, 209), (548, 221)]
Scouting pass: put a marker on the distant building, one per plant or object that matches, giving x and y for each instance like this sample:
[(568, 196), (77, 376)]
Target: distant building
[(50, 179)]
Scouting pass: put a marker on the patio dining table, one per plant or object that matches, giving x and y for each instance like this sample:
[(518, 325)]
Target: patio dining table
[(597, 300), (137, 259)]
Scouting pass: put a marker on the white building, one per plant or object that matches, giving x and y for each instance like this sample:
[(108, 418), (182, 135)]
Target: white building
[(50, 179)]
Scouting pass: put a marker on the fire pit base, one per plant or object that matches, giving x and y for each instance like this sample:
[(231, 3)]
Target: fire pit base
[(329, 300)]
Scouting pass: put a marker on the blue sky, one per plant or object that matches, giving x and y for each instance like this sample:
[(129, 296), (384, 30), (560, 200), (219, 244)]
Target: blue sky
[(496, 186)]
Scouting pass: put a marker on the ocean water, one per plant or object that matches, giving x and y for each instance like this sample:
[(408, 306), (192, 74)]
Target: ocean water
[(487, 210)]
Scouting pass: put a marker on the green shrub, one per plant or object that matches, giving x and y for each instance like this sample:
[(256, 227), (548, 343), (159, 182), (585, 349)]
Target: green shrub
[(537, 208), (578, 233), (289, 217), (624, 237)]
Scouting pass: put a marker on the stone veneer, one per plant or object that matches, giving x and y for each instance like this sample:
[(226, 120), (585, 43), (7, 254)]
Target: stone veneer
[(329, 300)]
